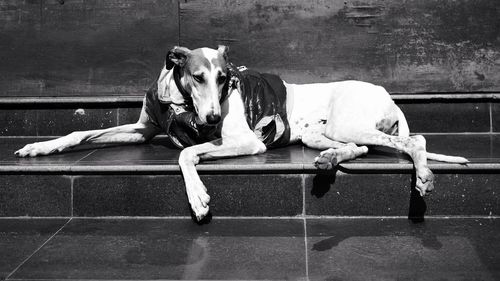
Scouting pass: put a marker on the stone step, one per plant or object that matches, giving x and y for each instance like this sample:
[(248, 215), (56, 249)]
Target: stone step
[(429, 113), (250, 249), (144, 180)]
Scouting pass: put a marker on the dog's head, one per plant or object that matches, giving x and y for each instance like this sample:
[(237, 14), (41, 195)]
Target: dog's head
[(202, 74)]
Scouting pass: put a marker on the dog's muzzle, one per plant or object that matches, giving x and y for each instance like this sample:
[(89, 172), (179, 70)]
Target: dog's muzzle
[(213, 119)]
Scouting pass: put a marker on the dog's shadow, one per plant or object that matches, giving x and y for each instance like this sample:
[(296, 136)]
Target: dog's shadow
[(323, 182), (424, 233)]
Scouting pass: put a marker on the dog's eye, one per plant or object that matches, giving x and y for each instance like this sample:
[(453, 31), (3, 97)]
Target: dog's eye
[(198, 78), (221, 79)]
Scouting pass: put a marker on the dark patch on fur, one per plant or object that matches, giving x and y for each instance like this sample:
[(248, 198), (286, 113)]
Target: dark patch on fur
[(388, 126), (197, 59)]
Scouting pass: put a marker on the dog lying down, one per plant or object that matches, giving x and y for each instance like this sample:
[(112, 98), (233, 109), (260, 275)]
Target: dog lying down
[(211, 110)]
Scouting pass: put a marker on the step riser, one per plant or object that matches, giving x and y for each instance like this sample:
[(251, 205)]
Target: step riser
[(389, 195), (245, 195), (441, 117)]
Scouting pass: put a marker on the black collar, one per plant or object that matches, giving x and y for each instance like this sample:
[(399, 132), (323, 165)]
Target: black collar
[(177, 79)]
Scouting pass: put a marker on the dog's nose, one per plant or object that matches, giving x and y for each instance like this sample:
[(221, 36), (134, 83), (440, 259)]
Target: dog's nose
[(213, 119)]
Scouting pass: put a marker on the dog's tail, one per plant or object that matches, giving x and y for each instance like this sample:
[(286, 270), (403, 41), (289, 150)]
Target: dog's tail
[(446, 158), (403, 128), (404, 131)]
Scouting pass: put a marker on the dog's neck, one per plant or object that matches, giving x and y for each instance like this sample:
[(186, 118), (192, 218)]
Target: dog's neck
[(168, 92)]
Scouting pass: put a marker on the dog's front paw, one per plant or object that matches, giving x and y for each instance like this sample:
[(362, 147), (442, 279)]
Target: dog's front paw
[(198, 199), (326, 160), (32, 150), (425, 181)]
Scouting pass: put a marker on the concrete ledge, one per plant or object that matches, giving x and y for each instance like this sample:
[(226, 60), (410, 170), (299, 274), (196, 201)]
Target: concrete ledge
[(269, 168), (6, 100), (145, 180), (158, 158)]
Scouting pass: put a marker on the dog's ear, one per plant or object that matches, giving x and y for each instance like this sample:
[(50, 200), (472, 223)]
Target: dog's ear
[(176, 56), (223, 51)]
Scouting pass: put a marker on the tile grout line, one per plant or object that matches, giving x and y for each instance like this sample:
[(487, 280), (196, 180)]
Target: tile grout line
[(454, 133), (306, 256), (413, 133), (72, 180), (38, 249), (178, 23), (118, 116), (491, 117), (303, 195), (299, 217), (87, 155), (304, 223)]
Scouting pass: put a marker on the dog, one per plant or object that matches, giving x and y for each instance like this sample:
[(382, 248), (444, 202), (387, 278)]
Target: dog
[(199, 102)]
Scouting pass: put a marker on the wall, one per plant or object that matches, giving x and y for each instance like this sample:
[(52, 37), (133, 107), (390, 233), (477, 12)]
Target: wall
[(116, 47)]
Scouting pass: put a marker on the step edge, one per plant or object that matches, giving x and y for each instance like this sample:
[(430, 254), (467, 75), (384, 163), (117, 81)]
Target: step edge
[(253, 168), (10, 100)]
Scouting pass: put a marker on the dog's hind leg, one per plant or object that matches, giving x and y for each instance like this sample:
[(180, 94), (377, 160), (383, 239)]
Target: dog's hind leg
[(329, 158), (336, 152), (414, 146), (139, 132), (357, 117)]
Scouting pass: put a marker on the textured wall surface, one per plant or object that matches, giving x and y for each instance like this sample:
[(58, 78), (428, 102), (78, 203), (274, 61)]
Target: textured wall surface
[(407, 46), (82, 47), (116, 47)]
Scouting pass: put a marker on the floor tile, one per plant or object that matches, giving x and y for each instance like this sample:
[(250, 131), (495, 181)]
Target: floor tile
[(19, 238), (388, 194), (465, 194), (159, 152), (35, 195), (343, 194), (54, 121), (129, 115), (156, 152), (495, 112), (396, 249), (60, 122), (161, 195), (443, 117), (172, 249), (130, 195), (18, 122), (9, 146), (292, 154), (255, 194), (476, 148)]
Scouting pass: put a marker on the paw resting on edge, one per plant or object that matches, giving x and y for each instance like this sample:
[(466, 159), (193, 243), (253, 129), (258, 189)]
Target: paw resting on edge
[(326, 160), (198, 199), (425, 181)]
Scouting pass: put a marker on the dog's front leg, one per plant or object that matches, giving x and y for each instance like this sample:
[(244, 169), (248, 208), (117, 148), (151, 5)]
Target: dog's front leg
[(227, 147)]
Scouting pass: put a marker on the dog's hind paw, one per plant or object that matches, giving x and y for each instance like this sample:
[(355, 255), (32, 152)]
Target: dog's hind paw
[(425, 181), (326, 160)]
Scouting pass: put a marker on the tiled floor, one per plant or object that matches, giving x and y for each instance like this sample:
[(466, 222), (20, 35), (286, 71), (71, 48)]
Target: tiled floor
[(293, 249)]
